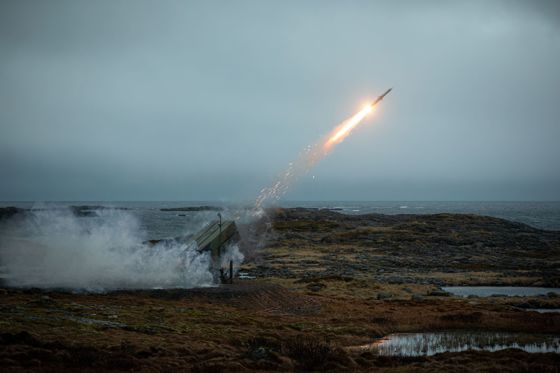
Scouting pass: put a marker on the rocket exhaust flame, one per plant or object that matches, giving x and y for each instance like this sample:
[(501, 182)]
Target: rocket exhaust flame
[(313, 154), (345, 128)]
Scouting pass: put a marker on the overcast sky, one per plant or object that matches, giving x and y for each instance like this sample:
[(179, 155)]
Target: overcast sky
[(209, 100)]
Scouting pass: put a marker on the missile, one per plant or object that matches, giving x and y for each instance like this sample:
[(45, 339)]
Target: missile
[(380, 97)]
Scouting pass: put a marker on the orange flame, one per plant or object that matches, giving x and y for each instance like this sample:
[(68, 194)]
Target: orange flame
[(345, 128)]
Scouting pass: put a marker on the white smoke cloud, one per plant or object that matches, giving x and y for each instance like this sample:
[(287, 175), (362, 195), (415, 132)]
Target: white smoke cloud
[(55, 249), (234, 255)]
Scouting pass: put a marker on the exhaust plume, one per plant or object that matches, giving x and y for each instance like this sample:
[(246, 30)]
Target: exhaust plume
[(311, 156), (56, 249)]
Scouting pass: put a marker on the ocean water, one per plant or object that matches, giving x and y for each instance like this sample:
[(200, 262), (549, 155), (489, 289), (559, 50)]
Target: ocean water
[(509, 291), (161, 224), (431, 343)]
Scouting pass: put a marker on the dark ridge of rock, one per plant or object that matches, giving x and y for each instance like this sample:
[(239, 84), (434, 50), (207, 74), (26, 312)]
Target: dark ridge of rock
[(438, 293), (96, 207), (90, 210), (443, 221), (80, 211), (194, 208), (170, 241), (9, 212)]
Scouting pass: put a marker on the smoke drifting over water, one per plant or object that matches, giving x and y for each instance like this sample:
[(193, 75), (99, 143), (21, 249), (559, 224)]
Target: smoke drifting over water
[(56, 249)]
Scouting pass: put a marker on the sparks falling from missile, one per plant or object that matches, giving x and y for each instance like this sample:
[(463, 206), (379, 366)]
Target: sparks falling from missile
[(313, 154)]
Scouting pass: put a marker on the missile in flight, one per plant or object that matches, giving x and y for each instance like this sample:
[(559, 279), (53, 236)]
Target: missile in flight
[(380, 97)]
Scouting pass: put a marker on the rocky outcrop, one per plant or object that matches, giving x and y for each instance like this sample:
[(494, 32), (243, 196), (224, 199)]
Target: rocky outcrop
[(194, 208), (9, 212)]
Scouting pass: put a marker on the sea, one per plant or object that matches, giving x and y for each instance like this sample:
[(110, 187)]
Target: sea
[(160, 224)]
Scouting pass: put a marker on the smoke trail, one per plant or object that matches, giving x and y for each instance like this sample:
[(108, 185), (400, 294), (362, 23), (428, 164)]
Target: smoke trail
[(302, 165), (54, 248), (309, 158)]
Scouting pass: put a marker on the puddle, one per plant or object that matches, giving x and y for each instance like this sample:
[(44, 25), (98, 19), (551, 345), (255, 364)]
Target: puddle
[(543, 310), (510, 291), (245, 276), (427, 344)]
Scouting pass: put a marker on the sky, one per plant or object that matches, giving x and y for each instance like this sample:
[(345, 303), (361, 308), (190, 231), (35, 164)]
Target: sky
[(210, 100)]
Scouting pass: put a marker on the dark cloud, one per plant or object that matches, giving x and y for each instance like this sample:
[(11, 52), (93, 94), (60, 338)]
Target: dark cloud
[(548, 10)]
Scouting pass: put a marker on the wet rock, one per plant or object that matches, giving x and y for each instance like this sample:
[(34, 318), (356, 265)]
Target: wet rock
[(194, 208), (43, 301), (384, 295), (258, 353), (285, 363), (91, 210), (438, 293), (316, 286), (9, 212)]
